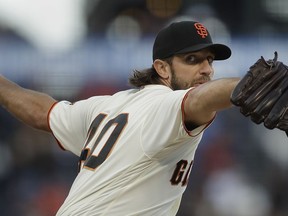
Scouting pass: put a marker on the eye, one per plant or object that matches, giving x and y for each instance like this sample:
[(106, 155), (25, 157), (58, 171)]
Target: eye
[(210, 59), (196, 59), (191, 59)]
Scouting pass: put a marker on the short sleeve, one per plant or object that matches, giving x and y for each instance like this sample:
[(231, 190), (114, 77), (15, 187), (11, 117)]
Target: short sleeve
[(165, 126), (69, 122), (164, 123)]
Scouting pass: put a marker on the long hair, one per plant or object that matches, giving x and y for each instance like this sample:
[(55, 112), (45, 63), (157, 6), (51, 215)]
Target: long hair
[(144, 77), (148, 76)]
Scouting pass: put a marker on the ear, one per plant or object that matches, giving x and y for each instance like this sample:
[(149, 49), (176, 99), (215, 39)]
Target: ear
[(162, 68)]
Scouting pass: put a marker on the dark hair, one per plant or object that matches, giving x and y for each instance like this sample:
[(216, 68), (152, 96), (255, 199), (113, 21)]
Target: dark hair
[(148, 76), (144, 77)]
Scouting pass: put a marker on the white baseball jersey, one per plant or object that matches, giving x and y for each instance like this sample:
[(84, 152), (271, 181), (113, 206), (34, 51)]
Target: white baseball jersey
[(135, 152)]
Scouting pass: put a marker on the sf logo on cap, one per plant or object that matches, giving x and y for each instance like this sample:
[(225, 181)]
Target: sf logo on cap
[(201, 30)]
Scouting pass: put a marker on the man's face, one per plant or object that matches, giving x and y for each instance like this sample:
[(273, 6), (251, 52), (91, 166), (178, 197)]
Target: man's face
[(191, 69)]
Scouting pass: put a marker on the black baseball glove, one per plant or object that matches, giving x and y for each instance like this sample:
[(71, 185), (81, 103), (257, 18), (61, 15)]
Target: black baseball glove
[(262, 94)]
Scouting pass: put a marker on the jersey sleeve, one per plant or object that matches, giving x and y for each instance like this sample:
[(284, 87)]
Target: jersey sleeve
[(168, 111), (69, 123)]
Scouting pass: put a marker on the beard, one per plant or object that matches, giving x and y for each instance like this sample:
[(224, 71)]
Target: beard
[(178, 84)]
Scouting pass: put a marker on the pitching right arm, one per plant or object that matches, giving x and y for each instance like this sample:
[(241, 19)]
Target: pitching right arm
[(28, 106)]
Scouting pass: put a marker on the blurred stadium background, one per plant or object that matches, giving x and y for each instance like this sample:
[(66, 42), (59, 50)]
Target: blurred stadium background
[(73, 49)]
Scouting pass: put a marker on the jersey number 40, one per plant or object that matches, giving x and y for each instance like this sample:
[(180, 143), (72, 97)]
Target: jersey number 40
[(94, 157)]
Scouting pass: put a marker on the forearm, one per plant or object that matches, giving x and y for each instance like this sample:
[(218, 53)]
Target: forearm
[(216, 94), (28, 106), (204, 101)]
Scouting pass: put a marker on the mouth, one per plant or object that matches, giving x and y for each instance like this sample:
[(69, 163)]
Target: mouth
[(196, 84), (200, 82)]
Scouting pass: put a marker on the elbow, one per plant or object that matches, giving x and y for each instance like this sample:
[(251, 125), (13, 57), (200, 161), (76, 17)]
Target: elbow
[(43, 125), (39, 115), (39, 121)]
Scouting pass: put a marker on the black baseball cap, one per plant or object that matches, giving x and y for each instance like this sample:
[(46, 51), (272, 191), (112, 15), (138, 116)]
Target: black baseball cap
[(186, 36)]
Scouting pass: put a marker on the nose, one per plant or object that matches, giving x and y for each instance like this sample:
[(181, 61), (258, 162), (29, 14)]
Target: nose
[(206, 68)]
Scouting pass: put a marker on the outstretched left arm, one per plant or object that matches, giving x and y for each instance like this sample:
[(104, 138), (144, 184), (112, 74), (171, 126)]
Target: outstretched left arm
[(204, 101)]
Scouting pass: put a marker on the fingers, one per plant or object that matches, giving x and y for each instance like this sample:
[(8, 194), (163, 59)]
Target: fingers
[(258, 74), (262, 94), (263, 110), (265, 96), (283, 123), (278, 112)]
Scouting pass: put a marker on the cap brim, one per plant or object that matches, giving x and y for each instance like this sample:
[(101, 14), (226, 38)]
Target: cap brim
[(221, 51)]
